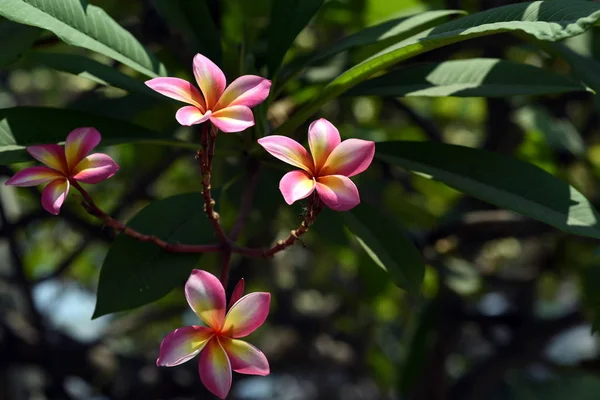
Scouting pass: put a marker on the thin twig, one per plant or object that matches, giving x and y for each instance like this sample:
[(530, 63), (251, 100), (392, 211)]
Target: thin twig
[(118, 226)]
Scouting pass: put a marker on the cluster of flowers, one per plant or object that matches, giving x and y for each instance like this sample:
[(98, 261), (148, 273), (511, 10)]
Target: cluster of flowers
[(326, 170)]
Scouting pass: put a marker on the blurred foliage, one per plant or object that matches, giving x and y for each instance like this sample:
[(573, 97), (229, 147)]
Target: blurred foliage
[(503, 307)]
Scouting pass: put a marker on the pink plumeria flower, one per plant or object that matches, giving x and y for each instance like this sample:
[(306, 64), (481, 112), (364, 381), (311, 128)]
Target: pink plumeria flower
[(329, 168), (227, 108), (218, 344), (65, 165)]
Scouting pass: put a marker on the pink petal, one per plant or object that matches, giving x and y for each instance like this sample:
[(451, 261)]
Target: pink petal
[(52, 155), (351, 157), (215, 369), (233, 119), (247, 90), (206, 297), (245, 358), (177, 89), (296, 185), (182, 344), (323, 137), (79, 143), (288, 151), (210, 78), (338, 192), (33, 176), (190, 115), (247, 314), (54, 195), (238, 291), (95, 168)]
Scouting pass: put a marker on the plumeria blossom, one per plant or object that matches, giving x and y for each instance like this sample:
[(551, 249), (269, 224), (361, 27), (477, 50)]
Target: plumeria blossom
[(228, 108), (65, 165), (329, 168), (218, 342)]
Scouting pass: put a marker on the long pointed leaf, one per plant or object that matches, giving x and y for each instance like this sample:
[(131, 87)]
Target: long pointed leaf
[(479, 77), (80, 24), (503, 181), (544, 20)]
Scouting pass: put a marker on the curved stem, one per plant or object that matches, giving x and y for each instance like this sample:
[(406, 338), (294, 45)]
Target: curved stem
[(119, 226)]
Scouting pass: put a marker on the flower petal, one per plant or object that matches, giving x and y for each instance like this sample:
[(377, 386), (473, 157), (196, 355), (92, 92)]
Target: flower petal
[(296, 185), (238, 291), (190, 115), (247, 90), (338, 192), (215, 369), (245, 358), (178, 89), (288, 151), (182, 344), (351, 157), (233, 119), (323, 137), (95, 168), (247, 314), (206, 297), (33, 176), (79, 143), (52, 155), (210, 78), (54, 195)]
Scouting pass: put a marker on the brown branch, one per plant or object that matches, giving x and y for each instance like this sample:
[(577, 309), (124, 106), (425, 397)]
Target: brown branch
[(205, 157), (118, 226)]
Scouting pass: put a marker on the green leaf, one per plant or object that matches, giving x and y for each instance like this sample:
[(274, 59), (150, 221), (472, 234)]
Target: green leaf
[(194, 20), (479, 77), (585, 67), (90, 69), (544, 20), (135, 273), (503, 181), (387, 245), (25, 126), (288, 18), (80, 24), (386, 32), (21, 38)]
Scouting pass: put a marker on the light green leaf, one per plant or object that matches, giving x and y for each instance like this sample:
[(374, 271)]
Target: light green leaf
[(288, 18), (89, 69), (25, 126), (387, 245), (386, 32), (21, 38), (544, 20), (503, 181), (193, 19), (80, 24), (479, 77), (135, 273)]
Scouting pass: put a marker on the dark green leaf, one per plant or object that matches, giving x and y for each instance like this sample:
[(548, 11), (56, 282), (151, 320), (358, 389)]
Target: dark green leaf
[(389, 31), (194, 20), (135, 273), (90, 69), (25, 126), (387, 244), (80, 24), (500, 180), (544, 20), (479, 77), (288, 18), (21, 38)]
